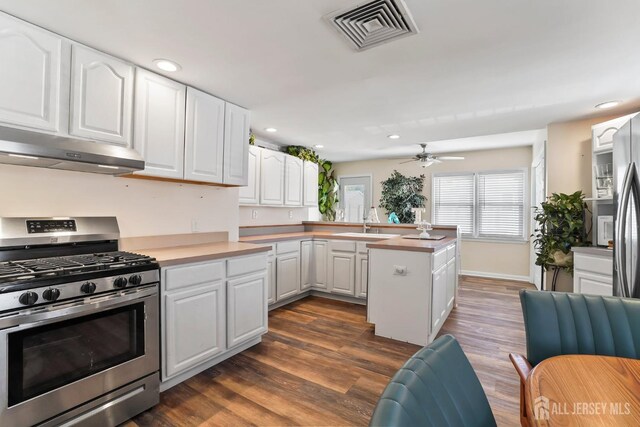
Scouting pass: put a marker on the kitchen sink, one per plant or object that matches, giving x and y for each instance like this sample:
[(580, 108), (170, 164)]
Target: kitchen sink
[(368, 235)]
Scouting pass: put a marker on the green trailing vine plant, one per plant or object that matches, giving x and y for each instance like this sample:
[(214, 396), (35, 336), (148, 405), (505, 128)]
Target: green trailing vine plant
[(327, 182), (402, 193), (561, 226)]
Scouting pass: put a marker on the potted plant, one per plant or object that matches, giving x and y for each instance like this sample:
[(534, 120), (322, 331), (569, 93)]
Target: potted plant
[(402, 193), (561, 226)]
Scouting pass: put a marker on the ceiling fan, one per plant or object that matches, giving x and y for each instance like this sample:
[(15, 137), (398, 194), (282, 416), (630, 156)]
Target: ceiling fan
[(428, 159)]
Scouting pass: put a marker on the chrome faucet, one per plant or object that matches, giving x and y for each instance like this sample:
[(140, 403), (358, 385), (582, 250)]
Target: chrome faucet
[(365, 227)]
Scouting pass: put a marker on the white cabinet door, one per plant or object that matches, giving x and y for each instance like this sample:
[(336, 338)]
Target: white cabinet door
[(246, 308), (306, 261), (362, 275), (236, 144), (159, 124), (287, 275), (204, 137), (293, 170), (590, 283), (602, 133), (101, 96), (310, 193), (271, 279), (194, 326), (250, 195), (438, 297), (272, 178), (451, 283), (342, 274), (30, 75), (320, 253)]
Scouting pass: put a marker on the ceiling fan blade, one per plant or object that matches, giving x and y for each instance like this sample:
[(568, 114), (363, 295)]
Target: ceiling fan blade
[(450, 158), (408, 161)]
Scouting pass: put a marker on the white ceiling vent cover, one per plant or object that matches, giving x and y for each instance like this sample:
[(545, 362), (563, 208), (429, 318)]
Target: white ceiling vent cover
[(373, 23)]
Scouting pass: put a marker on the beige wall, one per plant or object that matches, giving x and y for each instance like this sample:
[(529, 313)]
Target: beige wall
[(143, 207), (490, 258), (273, 216)]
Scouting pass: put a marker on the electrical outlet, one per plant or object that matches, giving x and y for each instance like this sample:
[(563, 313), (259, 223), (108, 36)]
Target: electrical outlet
[(290, 214), (194, 225), (254, 214)]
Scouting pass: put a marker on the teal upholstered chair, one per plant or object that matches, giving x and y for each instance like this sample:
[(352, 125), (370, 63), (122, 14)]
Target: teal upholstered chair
[(558, 323), (436, 387)]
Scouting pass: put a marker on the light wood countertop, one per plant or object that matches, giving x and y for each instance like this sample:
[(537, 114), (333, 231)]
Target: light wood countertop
[(413, 245), (204, 252)]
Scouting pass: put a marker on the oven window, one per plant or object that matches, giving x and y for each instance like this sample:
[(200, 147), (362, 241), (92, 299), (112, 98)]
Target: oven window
[(47, 357)]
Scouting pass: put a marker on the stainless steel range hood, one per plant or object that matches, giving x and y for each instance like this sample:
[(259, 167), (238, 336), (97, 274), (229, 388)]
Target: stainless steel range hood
[(27, 148)]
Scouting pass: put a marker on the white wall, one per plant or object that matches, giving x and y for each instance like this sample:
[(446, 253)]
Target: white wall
[(508, 260), (272, 216), (143, 207)]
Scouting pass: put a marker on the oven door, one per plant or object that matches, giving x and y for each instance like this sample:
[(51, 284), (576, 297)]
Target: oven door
[(61, 357)]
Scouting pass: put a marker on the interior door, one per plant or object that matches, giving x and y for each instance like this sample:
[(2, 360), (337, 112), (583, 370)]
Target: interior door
[(355, 197)]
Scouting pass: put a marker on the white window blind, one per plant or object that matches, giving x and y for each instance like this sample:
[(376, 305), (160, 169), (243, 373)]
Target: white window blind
[(453, 201), (484, 205), (500, 210)]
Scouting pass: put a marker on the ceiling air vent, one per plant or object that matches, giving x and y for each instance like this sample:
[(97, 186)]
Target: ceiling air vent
[(373, 23)]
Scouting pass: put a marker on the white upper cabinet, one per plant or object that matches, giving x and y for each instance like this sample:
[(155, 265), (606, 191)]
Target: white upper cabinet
[(310, 193), (250, 195), (204, 137), (30, 75), (602, 133), (272, 178), (101, 96), (159, 124), (236, 144), (293, 170)]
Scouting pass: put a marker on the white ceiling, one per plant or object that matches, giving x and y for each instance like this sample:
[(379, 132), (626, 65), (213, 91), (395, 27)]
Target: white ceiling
[(476, 67)]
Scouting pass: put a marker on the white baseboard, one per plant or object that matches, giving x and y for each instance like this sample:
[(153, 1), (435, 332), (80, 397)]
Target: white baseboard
[(496, 275)]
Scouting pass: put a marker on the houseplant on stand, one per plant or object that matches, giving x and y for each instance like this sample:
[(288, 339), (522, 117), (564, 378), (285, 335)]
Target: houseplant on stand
[(561, 226), (400, 194)]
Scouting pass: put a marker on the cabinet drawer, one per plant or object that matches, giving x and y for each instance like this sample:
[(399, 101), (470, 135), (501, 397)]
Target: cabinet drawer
[(343, 246), (594, 264), (451, 252), (286, 247), (362, 247), (246, 264), (439, 259), (192, 274)]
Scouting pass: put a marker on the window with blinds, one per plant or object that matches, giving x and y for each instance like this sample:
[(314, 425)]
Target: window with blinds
[(485, 204)]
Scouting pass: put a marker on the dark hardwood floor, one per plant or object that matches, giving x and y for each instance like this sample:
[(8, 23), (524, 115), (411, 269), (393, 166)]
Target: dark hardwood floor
[(321, 365)]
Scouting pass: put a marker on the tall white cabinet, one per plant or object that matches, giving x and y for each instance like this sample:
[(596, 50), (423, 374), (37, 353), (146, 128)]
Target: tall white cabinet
[(272, 166), (159, 124), (101, 96), (31, 75), (204, 137)]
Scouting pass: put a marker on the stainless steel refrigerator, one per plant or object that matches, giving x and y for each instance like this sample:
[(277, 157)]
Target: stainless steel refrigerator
[(626, 199)]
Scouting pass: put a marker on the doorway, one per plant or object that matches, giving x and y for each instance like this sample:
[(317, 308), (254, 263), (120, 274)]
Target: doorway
[(355, 196), (538, 195)]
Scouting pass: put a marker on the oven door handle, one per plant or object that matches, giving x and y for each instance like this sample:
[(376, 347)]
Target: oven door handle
[(19, 321)]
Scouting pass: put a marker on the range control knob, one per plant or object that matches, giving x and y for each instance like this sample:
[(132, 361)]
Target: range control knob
[(28, 298), (135, 279), (88, 288), (120, 282), (51, 294)]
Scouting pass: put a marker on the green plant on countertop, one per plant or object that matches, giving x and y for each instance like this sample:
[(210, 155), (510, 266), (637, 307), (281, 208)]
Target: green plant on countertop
[(327, 182), (561, 226), (402, 193)]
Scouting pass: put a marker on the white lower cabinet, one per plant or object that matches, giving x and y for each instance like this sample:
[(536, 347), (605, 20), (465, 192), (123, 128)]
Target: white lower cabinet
[(246, 308), (585, 282), (287, 275), (362, 275), (593, 272), (194, 326), (438, 297), (209, 309), (271, 279), (342, 270), (452, 274), (306, 264), (320, 253)]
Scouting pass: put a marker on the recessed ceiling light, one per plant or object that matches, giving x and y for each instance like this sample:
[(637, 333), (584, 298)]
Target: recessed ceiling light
[(394, 136), (319, 146), (167, 65), (271, 129), (608, 104)]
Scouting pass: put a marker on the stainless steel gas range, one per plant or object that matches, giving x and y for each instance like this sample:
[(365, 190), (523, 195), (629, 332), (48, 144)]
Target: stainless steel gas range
[(78, 324)]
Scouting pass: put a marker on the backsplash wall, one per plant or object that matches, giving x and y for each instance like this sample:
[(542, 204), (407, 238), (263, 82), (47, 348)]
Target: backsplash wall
[(143, 207)]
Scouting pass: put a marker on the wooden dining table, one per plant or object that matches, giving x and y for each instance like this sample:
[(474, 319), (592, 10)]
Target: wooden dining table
[(584, 390)]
